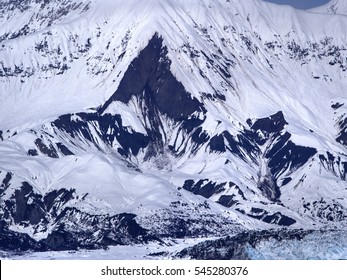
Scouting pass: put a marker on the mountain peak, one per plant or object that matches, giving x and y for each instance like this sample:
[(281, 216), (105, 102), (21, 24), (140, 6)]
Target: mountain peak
[(335, 7)]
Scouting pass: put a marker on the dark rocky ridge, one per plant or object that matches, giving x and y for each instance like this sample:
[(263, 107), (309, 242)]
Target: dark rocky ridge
[(71, 228), (235, 247), (149, 77), (109, 128), (150, 81), (204, 187), (276, 218), (342, 138), (282, 155), (334, 164), (158, 94)]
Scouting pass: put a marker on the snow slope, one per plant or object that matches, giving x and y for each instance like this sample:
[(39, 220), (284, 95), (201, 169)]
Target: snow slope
[(333, 7)]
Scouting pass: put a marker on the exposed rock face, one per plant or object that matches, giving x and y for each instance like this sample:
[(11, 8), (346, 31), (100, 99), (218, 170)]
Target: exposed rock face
[(236, 247), (150, 81), (69, 227)]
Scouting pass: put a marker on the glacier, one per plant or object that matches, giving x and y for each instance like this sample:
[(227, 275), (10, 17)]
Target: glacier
[(317, 245)]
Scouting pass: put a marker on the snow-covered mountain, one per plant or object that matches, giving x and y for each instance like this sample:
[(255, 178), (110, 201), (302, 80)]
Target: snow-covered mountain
[(332, 7), (124, 122)]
